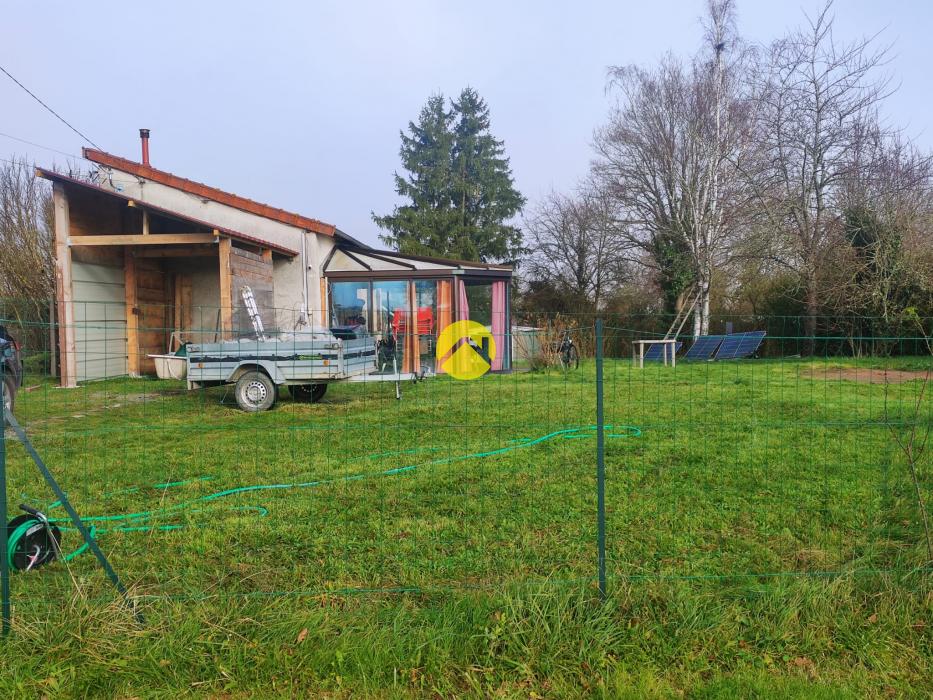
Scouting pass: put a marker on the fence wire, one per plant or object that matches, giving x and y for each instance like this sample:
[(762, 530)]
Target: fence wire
[(775, 465)]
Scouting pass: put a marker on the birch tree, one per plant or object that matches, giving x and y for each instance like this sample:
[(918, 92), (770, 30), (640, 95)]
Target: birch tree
[(671, 155)]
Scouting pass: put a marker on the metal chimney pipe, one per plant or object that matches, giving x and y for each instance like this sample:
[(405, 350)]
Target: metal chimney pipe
[(144, 137)]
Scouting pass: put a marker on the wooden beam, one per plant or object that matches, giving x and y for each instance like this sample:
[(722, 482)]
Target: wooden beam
[(68, 360), (132, 315), (155, 239), (226, 288), (155, 252)]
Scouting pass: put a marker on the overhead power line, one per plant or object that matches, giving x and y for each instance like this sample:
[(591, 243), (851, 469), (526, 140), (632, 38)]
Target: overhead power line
[(39, 145), (52, 111)]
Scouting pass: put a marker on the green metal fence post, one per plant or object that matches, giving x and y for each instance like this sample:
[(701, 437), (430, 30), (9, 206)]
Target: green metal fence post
[(76, 521), (600, 464), (4, 563)]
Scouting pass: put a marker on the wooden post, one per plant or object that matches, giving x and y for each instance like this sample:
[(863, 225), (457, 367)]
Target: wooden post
[(226, 288), (186, 307), (324, 318), (132, 317), (267, 255), (176, 311), (66, 310), (145, 222), (53, 340)]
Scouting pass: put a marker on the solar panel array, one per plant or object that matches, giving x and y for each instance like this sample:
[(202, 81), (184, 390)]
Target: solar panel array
[(704, 347), (725, 347), (654, 351), (738, 345)]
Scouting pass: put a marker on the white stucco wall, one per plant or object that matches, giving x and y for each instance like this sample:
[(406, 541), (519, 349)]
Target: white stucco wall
[(289, 293), (289, 290), (319, 248)]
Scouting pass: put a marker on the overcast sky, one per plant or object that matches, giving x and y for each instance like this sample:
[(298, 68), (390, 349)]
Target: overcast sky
[(299, 104)]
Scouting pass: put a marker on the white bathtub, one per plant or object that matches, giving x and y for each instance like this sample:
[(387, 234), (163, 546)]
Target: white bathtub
[(170, 366)]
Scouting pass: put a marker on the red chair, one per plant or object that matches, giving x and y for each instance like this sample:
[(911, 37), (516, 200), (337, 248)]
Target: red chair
[(424, 325)]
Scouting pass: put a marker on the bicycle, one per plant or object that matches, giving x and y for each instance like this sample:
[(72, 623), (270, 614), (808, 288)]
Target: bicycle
[(567, 353)]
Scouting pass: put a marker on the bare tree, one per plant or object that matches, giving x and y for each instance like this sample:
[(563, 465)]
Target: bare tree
[(574, 245), (720, 28), (26, 240), (671, 154), (813, 98), (887, 219)]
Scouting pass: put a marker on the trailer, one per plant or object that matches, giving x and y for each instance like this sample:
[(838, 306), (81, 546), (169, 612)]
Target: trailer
[(304, 362)]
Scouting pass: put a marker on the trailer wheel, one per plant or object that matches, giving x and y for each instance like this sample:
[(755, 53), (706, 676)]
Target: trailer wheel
[(308, 393), (255, 391)]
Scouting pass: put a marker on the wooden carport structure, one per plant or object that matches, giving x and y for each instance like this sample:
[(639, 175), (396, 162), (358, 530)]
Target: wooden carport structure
[(167, 265)]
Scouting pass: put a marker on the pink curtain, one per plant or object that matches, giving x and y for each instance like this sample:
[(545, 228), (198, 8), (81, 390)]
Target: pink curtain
[(463, 308), (498, 322)]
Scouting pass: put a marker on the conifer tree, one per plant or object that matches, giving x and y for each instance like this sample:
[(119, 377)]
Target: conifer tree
[(459, 186), (424, 224), (483, 192)]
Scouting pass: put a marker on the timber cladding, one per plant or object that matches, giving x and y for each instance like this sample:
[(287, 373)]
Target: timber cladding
[(255, 271), (154, 310)]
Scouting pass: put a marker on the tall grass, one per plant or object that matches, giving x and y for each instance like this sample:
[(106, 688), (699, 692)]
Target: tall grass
[(762, 539)]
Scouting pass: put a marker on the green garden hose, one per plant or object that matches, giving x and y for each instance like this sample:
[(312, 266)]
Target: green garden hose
[(140, 519), (20, 531)]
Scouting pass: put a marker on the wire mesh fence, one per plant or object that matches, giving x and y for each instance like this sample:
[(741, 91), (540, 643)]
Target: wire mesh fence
[(772, 464)]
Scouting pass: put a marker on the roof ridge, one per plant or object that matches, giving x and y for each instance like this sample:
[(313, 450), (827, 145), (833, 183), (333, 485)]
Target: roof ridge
[(208, 192)]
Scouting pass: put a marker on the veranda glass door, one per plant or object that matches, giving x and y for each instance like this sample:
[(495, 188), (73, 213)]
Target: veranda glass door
[(392, 323), (433, 313), (486, 302)]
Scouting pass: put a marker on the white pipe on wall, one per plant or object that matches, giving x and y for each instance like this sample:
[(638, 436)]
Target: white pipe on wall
[(304, 276)]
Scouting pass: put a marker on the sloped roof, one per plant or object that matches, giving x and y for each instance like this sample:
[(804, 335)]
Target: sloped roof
[(48, 174), (207, 192), (346, 258)]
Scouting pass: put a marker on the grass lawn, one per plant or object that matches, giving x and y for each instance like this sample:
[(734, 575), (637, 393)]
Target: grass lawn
[(763, 538)]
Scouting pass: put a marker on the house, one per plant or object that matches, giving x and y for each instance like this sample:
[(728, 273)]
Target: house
[(146, 259)]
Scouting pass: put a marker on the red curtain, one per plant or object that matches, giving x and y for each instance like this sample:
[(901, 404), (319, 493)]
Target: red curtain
[(498, 322)]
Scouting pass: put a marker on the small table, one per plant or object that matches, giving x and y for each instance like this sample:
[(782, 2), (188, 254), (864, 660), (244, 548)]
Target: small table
[(640, 355)]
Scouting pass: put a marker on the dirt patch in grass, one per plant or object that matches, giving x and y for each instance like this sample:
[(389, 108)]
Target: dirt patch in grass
[(96, 403), (865, 375)]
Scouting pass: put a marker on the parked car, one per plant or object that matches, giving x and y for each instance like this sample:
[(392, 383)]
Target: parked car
[(12, 368)]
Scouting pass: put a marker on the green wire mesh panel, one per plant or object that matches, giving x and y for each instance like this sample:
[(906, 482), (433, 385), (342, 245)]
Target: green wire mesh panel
[(772, 466)]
